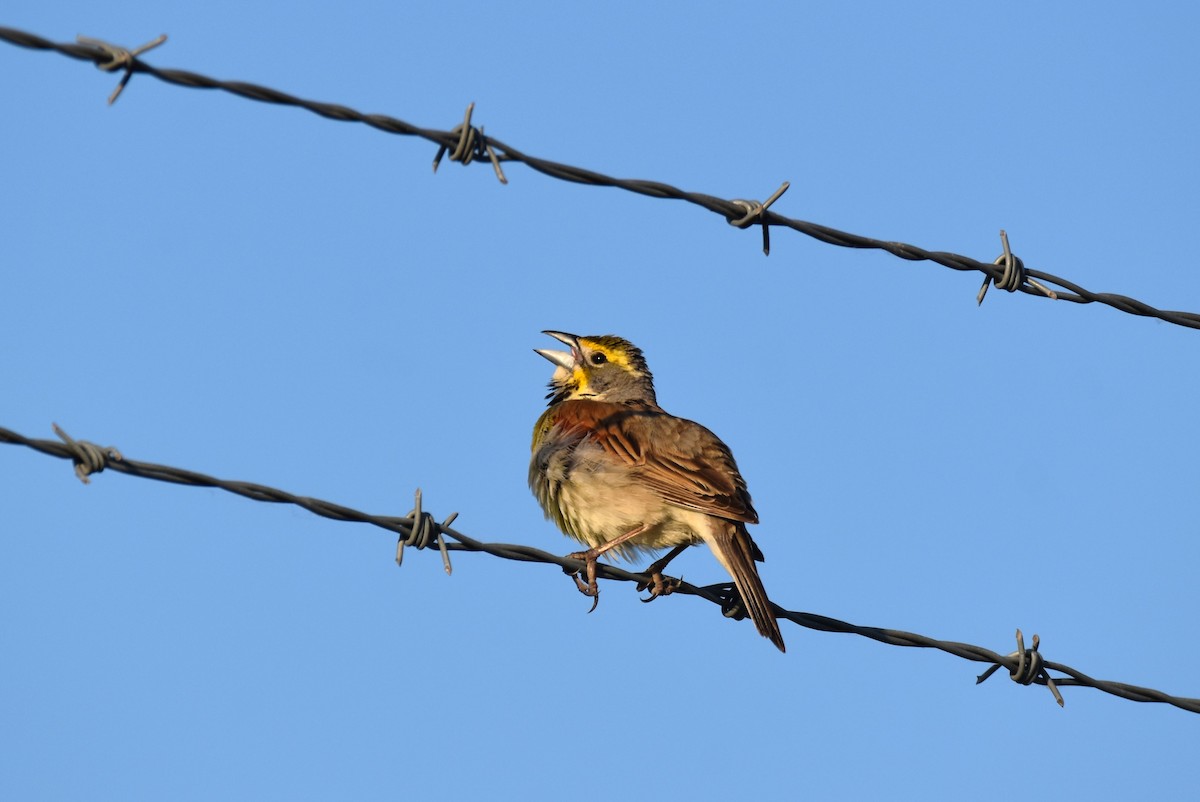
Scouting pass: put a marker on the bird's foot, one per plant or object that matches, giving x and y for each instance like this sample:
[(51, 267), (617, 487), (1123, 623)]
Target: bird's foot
[(591, 587), (658, 585)]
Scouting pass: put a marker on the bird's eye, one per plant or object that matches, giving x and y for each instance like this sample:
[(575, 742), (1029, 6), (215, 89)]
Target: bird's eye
[(599, 358)]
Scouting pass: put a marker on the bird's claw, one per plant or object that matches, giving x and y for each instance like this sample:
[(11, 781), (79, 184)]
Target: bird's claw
[(658, 585), (591, 587)]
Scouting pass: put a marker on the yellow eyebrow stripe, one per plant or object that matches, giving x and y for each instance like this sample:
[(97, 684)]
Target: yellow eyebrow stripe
[(611, 354)]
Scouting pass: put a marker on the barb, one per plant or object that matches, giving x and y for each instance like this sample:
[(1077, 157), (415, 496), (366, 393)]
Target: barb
[(1025, 667), (1030, 668), (88, 457), (1014, 277), (754, 213), (471, 143), (425, 532), (116, 58), (729, 209)]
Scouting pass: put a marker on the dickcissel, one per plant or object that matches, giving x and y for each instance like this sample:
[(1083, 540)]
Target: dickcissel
[(619, 474)]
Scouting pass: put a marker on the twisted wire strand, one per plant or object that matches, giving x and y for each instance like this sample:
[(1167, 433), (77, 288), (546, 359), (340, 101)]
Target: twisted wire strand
[(722, 594), (731, 210)]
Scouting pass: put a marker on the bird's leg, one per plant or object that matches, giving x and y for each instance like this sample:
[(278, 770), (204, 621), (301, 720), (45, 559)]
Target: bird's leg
[(589, 557), (657, 584)]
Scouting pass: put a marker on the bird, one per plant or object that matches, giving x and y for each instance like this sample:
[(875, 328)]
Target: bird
[(615, 471)]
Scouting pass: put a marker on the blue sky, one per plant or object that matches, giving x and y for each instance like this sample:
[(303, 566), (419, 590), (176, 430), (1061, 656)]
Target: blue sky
[(261, 294)]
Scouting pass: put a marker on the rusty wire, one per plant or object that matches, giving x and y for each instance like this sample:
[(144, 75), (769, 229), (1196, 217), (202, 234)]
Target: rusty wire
[(467, 143), (419, 529)]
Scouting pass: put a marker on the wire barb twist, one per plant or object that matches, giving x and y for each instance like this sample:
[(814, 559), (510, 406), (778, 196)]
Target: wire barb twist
[(423, 532), (757, 213), (116, 57), (88, 458), (471, 144), (728, 599), (1014, 276), (1030, 668)]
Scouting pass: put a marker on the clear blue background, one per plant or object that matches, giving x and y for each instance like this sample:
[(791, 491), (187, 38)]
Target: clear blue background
[(261, 294)]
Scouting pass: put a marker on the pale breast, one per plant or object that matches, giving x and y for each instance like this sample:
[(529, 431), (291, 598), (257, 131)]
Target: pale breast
[(594, 498)]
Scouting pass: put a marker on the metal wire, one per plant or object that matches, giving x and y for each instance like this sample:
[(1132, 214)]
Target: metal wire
[(469, 144), (419, 529)]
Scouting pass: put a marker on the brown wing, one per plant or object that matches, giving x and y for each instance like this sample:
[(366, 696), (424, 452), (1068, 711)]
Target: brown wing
[(681, 460)]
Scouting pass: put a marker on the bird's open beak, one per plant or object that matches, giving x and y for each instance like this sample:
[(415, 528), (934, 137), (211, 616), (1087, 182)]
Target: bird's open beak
[(563, 359)]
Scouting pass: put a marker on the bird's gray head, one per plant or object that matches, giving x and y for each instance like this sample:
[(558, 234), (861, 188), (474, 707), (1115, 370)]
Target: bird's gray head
[(601, 368)]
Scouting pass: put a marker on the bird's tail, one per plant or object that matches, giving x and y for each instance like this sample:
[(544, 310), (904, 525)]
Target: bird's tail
[(735, 550)]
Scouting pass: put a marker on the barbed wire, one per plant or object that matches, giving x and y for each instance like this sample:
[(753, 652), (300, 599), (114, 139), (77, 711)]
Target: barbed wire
[(467, 143), (420, 530)]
